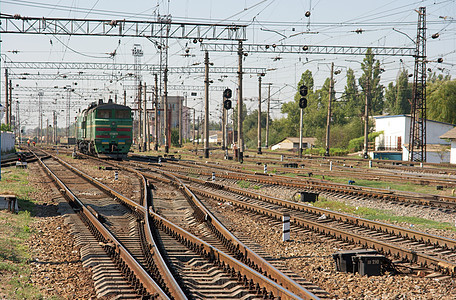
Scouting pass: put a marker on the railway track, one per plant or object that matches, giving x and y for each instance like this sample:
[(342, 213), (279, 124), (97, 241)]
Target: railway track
[(337, 167), (113, 220), (438, 201), (202, 269), (426, 250), (436, 253), (414, 167)]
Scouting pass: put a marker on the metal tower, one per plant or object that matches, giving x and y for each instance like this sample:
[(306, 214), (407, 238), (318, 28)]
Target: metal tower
[(418, 115)]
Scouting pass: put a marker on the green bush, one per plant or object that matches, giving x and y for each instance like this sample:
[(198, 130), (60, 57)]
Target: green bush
[(322, 151), (358, 144)]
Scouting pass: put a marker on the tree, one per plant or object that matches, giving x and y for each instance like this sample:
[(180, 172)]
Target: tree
[(441, 101), (370, 82), (353, 103), (398, 97), (234, 115), (312, 113), (5, 127), (250, 127)]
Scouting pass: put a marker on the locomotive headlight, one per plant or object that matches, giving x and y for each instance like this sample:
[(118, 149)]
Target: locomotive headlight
[(113, 124)]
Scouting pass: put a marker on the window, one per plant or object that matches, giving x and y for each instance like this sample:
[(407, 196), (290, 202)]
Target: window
[(122, 114), (104, 113)]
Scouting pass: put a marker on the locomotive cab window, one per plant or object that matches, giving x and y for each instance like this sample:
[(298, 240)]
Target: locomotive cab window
[(104, 113), (122, 114)]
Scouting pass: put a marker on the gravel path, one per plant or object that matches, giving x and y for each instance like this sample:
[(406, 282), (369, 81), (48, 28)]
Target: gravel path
[(56, 266), (310, 256), (307, 254)]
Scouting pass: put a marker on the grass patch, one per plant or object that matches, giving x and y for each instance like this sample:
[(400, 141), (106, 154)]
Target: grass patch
[(382, 215), (404, 186), (243, 184), (14, 232), (290, 174)]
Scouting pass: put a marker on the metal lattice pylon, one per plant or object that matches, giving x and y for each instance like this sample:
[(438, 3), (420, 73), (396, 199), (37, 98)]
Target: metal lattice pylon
[(418, 115)]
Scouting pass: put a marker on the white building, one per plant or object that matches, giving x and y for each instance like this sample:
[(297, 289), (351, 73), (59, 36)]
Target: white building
[(394, 142), (292, 143), (451, 135)]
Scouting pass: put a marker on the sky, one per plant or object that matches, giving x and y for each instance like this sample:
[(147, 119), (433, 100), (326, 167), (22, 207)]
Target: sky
[(335, 23)]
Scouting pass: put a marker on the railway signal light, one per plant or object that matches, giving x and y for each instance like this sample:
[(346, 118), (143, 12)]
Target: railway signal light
[(302, 103), (227, 93), (227, 104), (303, 90)]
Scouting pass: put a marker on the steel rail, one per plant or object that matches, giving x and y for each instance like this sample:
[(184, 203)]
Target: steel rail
[(243, 272), (173, 287), (414, 235), (169, 281), (118, 250), (396, 251), (429, 239), (313, 184), (243, 252), (253, 279)]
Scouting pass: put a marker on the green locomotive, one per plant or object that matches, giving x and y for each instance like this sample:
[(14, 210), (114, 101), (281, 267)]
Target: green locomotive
[(104, 130)]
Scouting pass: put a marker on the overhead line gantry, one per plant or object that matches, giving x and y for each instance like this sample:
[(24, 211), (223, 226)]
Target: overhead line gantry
[(120, 28), (121, 67)]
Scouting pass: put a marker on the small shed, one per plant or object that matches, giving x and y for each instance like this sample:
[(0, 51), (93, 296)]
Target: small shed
[(7, 142), (451, 135), (292, 143)]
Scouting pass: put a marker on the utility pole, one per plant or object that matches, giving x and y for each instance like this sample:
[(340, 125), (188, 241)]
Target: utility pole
[(140, 139), (193, 131), (55, 127), (259, 113), (180, 120), (10, 106), (6, 98), (418, 111), (125, 98), (156, 112), (165, 104), (366, 120), (40, 112), (328, 119), (300, 133), (68, 111), (148, 128), (47, 131), (18, 122), (145, 123), (223, 123), (198, 134), (267, 116), (240, 135), (206, 105)]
